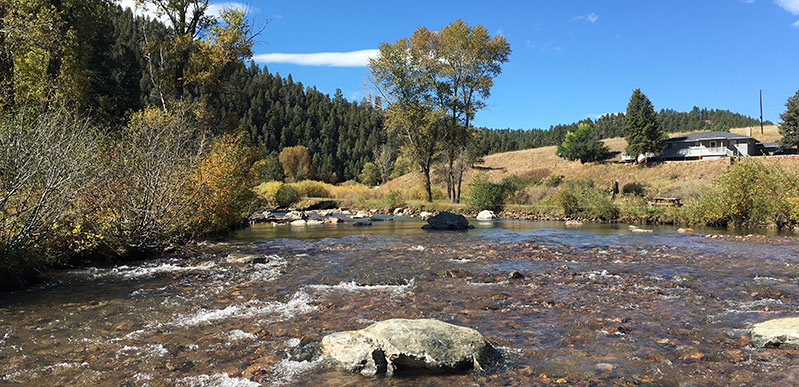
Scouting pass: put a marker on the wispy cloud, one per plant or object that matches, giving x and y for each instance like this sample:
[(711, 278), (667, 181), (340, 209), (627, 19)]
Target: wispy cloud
[(791, 6), (591, 17), (358, 58)]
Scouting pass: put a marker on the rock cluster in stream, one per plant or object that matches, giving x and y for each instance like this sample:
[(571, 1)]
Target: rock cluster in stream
[(397, 345)]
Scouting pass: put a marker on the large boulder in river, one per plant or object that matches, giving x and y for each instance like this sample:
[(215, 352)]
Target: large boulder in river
[(486, 215), (777, 333), (397, 345), (447, 221)]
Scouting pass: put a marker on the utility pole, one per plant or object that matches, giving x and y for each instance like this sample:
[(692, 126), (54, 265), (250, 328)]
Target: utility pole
[(761, 111)]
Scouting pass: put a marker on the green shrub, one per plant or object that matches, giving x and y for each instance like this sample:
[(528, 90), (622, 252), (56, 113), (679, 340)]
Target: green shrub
[(392, 200), (313, 189), (553, 180), (515, 183), (751, 193), (485, 195), (267, 191), (580, 198), (634, 189), (286, 196)]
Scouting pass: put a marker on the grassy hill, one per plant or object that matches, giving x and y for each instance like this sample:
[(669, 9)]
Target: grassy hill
[(684, 179)]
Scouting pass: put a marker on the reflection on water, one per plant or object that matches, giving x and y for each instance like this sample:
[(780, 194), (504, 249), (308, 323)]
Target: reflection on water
[(597, 305)]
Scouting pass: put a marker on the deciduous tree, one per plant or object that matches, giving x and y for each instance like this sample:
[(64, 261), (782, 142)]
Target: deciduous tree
[(583, 144)]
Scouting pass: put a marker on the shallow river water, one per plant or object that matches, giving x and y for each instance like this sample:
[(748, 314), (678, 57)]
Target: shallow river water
[(597, 305)]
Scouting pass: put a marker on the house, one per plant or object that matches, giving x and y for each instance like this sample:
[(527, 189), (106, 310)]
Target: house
[(704, 145)]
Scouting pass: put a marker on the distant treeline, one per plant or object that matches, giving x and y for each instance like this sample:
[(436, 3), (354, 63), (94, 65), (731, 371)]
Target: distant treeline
[(611, 125)]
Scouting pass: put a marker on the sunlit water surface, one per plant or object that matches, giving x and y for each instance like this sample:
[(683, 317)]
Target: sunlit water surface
[(597, 305)]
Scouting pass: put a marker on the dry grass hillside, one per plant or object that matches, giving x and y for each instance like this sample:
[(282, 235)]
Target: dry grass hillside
[(684, 179)]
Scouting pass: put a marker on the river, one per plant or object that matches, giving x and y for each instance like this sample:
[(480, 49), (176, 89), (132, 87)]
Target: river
[(596, 305)]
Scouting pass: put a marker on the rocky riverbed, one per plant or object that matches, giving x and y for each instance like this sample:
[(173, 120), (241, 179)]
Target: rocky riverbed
[(594, 305)]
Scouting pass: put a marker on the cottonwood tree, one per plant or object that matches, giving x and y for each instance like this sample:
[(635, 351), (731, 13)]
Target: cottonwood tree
[(461, 62), (411, 116), (641, 129), (296, 163), (789, 127)]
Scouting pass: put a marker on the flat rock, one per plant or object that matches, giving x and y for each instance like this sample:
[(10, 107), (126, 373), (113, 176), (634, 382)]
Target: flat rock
[(243, 259), (574, 223), (486, 215), (361, 215), (299, 222), (447, 221), (685, 230), (296, 215), (642, 230), (777, 333), (392, 346)]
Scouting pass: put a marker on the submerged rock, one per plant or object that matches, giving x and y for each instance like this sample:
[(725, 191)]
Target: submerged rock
[(777, 333), (486, 215), (392, 346), (242, 259), (574, 223), (447, 221)]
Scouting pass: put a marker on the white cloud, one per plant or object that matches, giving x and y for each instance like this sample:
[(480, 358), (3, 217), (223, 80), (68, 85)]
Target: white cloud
[(336, 59), (791, 6), (591, 17)]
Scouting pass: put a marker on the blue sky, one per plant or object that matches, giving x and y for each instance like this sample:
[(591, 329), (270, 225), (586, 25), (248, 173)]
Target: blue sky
[(570, 60)]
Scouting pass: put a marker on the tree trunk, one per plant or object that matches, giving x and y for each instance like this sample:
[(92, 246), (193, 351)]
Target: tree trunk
[(427, 185)]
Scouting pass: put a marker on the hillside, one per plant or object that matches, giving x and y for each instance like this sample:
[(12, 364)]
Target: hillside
[(683, 179)]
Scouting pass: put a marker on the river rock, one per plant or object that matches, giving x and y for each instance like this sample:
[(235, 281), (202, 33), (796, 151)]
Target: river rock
[(312, 222), (299, 222), (574, 223), (777, 333), (296, 215), (243, 259), (398, 211), (685, 230), (447, 221), (392, 346), (362, 222), (486, 215), (361, 215), (332, 220), (425, 215), (642, 230)]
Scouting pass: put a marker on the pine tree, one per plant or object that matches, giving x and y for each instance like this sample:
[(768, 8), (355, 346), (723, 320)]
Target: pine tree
[(789, 127), (641, 129)]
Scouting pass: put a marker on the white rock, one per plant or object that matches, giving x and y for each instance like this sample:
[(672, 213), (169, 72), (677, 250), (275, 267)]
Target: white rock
[(424, 215), (486, 215), (780, 333), (425, 344), (299, 222)]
